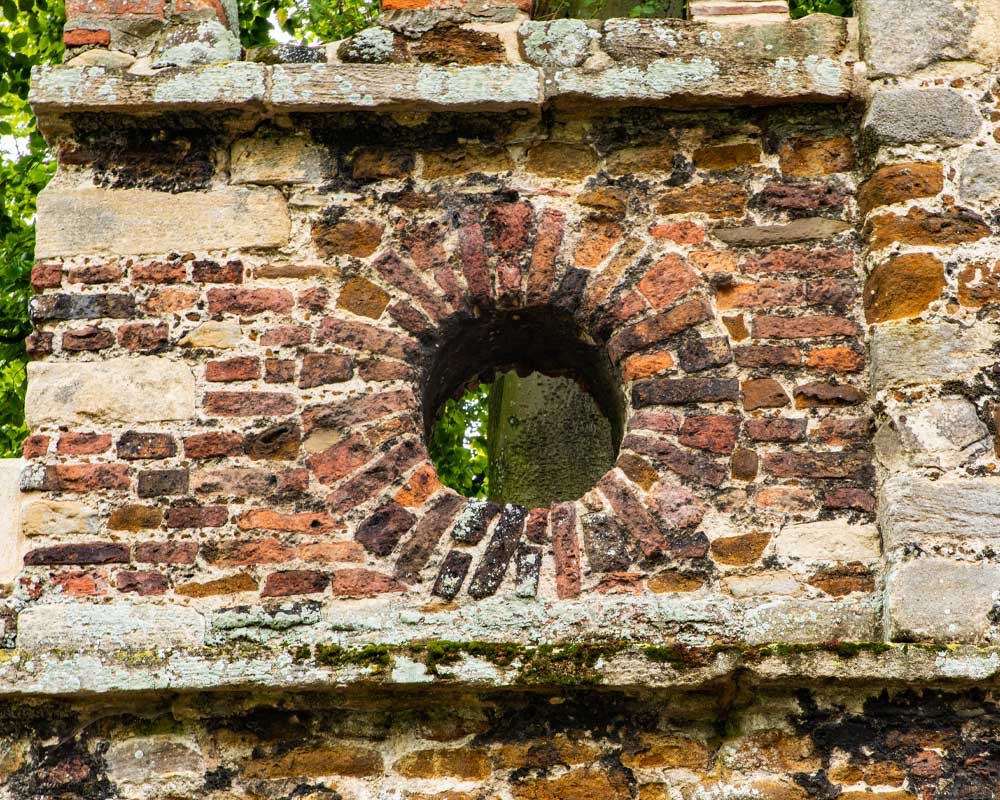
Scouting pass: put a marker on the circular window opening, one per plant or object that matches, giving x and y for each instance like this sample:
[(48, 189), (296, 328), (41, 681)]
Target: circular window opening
[(522, 407)]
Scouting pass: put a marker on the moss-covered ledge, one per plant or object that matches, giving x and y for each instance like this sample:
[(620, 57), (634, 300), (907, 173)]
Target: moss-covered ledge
[(491, 665)]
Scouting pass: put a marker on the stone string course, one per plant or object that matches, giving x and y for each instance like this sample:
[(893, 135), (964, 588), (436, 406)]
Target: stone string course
[(236, 572)]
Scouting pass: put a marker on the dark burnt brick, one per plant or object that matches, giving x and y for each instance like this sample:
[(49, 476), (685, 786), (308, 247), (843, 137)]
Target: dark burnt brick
[(762, 355), (364, 338), (821, 393), (159, 272), (241, 368), (294, 581), (472, 523), (278, 370), (850, 497), (205, 271), (37, 445), (46, 275), (841, 294), (801, 199), (39, 343), (286, 336), (475, 267), (401, 276), (536, 526), (776, 429), (682, 391), (78, 553), (82, 306), (196, 516), (134, 445), (248, 404), (605, 543), (160, 482), (572, 286), (217, 444), (85, 477), (689, 545), (692, 466), (384, 370), (846, 464), (641, 526), (73, 443), (94, 274), (744, 464), (804, 327), (249, 301), (315, 299), (275, 443), (840, 430), (801, 260), (763, 393), (166, 552), (411, 319), (135, 518), (143, 582), (142, 337), (657, 328), (320, 369), (356, 410), (87, 339), (713, 432), (697, 353), (376, 477), (418, 547), (498, 553), (381, 532)]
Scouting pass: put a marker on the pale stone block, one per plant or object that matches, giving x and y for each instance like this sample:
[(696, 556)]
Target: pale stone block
[(828, 541), (109, 626), (903, 115), (767, 583), (901, 36), (42, 516), (156, 766), (10, 525), (915, 509), (219, 335), (278, 158), (939, 600), (75, 221), (143, 389), (942, 433), (800, 620), (903, 354)]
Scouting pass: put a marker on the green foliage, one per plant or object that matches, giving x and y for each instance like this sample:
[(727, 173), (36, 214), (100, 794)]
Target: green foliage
[(458, 444), (838, 8), (30, 33), (308, 21)]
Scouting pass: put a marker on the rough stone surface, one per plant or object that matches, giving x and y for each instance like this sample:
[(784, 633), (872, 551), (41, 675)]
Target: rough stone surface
[(923, 511), (911, 355), (115, 625), (276, 160), (828, 541), (142, 389), (942, 433), (559, 43), (902, 115), (980, 175)]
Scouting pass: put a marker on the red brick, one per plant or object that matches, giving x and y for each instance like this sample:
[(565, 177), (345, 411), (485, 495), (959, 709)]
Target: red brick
[(838, 431), (836, 359), (536, 526), (384, 370), (363, 583), (850, 497), (472, 253), (197, 516), (240, 552), (332, 552), (166, 552), (78, 553), (850, 464), (113, 8), (81, 37), (374, 478), (163, 301), (141, 337), (294, 581), (39, 343), (366, 338), (143, 582), (763, 393), (314, 299), (685, 232), (86, 477), (241, 368), (760, 355), (340, 460), (800, 260), (46, 275), (821, 393), (776, 429), (804, 327), (286, 336), (541, 270), (159, 272), (37, 445), (398, 274), (81, 584), (218, 444), (668, 280), (654, 330), (320, 369), (641, 526), (277, 370), (248, 404), (357, 410), (94, 274), (83, 444), (268, 520), (381, 532), (761, 294), (213, 272), (249, 301), (659, 421), (715, 433), (87, 339), (134, 445)]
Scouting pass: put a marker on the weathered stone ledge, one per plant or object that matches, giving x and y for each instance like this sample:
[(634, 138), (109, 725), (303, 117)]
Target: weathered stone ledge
[(490, 665)]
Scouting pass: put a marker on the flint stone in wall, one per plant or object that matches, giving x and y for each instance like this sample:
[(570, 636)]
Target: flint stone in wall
[(10, 538), (980, 171), (45, 517), (912, 355), (797, 620), (939, 600), (915, 509), (557, 43), (75, 221), (144, 389), (827, 541), (943, 433), (111, 626), (900, 36), (911, 116)]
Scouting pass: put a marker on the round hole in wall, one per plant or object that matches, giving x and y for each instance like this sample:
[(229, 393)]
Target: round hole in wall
[(522, 406)]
